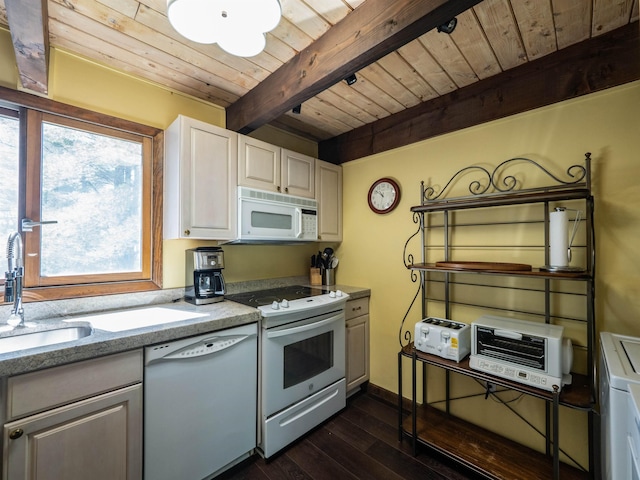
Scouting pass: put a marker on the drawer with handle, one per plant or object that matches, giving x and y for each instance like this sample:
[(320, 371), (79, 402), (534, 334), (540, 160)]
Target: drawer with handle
[(355, 308)]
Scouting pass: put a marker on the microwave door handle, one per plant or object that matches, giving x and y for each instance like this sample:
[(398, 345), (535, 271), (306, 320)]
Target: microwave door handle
[(298, 222)]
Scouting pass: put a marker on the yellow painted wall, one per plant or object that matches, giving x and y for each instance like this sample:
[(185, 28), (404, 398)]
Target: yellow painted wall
[(76, 81), (606, 124), (8, 70)]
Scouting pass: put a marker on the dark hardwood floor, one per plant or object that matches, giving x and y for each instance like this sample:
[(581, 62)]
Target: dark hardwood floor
[(361, 442)]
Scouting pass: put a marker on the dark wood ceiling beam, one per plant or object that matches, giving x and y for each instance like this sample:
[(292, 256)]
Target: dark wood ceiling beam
[(373, 30), (596, 64), (30, 36)]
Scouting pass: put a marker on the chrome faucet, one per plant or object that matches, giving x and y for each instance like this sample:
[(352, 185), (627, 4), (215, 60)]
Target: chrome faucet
[(13, 280)]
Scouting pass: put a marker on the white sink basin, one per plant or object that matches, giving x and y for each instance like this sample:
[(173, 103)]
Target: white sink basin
[(138, 318), (23, 341)]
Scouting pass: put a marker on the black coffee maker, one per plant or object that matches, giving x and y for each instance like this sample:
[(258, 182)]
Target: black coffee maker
[(204, 282)]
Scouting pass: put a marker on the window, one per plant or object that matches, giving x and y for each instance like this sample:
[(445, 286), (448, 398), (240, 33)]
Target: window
[(9, 168), (91, 185)]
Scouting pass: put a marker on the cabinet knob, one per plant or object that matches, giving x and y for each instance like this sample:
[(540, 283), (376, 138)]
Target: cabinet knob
[(356, 309), (278, 187), (15, 434), (187, 232), (286, 189)]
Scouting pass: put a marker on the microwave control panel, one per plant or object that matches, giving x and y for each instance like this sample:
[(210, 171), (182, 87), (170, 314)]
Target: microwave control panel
[(309, 224)]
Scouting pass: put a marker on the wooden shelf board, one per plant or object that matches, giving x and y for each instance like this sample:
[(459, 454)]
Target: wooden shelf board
[(489, 454), (578, 395)]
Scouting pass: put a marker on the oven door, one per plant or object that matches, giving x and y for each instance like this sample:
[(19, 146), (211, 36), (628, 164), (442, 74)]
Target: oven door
[(301, 358)]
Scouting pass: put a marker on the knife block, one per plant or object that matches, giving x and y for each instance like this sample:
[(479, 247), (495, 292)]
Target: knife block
[(315, 277)]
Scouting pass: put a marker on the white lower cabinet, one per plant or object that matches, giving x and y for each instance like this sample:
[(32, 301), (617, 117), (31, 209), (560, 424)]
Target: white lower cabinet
[(94, 434), (357, 340), (97, 439)]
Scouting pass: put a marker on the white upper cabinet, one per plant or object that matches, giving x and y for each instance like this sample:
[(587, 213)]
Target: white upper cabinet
[(298, 174), (200, 181), (271, 168), (258, 164), (329, 195)]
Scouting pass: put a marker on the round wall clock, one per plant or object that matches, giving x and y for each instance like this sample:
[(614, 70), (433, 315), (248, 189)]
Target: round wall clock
[(384, 195)]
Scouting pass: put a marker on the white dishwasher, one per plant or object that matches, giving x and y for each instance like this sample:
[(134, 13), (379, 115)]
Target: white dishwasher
[(200, 404)]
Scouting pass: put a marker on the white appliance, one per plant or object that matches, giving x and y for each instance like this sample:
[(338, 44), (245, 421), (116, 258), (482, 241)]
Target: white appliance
[(302, 362), (531, 353), (444, 338), (200, 404), (267, 216), (619, 369), (634, 437)]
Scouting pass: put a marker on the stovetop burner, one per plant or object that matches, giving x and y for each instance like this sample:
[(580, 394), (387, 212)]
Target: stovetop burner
[(259, 298)]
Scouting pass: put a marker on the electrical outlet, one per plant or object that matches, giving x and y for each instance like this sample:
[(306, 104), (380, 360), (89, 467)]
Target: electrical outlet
[(490, 387)]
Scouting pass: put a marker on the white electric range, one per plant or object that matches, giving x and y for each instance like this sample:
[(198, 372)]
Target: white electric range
[(302, 360)]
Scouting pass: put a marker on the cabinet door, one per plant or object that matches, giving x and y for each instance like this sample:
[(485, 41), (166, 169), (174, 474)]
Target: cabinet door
[(99, 439), (200, 181), (329, 196), (258, 164), (298, 172), (357, 356)]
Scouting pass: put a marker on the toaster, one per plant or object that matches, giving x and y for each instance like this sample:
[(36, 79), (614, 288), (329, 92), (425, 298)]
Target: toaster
[(444, 338)]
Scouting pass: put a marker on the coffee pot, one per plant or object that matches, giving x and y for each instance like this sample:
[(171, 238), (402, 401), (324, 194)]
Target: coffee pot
[(204, 282)]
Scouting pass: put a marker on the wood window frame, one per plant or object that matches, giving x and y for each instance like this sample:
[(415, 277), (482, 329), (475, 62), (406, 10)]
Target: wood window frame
[(152, 185)]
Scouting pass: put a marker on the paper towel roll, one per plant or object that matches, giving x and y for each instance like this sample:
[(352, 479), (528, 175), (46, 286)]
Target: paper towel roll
[(559, 238)]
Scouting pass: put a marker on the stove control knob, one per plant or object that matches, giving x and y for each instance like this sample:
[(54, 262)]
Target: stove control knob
[(275, 305), (332, 294), (284, 303), (338, 293)]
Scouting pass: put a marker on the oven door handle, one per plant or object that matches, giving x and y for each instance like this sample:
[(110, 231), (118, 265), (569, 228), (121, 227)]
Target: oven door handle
[(302, 328)]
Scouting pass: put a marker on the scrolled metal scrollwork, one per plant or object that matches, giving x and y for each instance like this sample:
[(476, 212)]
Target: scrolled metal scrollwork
[(475, 187), (407, 334), (510, 181), (497, 182), (408, 260)]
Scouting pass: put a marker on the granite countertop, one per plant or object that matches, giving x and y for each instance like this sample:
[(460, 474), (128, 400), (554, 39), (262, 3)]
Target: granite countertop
[(210, 318), (102, 342)]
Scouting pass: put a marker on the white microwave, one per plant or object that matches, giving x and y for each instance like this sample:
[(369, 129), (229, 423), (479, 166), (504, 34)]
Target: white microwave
[(273, 217)]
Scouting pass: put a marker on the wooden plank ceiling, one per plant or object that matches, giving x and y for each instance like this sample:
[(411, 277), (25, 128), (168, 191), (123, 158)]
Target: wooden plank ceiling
[(406, 69)]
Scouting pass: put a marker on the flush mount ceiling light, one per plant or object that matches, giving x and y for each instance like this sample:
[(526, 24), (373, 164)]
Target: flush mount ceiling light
[(238, 26)]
